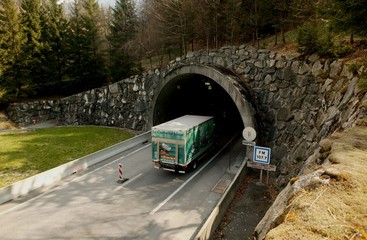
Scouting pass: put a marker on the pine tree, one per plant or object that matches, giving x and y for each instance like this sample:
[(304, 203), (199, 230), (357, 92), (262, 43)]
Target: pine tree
[(85, 43), (10, 34), (93, 64), (11, 40), (122, 30), (350, 15), (53, 35), (30, 61), (74, 45)]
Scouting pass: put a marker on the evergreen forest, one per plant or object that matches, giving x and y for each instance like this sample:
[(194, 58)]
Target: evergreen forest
[(54, 48)]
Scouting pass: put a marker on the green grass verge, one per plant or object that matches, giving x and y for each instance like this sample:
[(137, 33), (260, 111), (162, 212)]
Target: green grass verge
[(26, 153)]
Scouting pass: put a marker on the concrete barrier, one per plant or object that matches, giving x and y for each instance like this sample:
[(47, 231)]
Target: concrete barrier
[(214, 219), (51, 176)]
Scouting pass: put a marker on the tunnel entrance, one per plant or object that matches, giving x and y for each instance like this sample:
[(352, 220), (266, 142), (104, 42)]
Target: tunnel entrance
[(204, 90), (196, 94)]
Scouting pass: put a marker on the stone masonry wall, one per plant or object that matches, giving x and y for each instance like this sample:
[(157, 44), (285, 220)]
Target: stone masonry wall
[(299, 101)]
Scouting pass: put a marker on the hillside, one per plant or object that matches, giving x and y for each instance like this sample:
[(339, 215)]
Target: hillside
[(328, 199)]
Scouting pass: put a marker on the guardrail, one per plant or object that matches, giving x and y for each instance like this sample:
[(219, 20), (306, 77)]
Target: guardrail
[(51, 176), (214, 219)]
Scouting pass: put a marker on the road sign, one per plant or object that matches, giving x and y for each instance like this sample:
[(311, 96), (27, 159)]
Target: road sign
[(244, 142), (249, 134), (262, 155), (271, 168)]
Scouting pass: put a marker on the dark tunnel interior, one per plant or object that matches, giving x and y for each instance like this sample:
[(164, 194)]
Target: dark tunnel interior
[(197, 95)]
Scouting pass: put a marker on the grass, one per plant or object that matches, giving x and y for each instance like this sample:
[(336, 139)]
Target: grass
[(337, 210), (25, 153), (5, 123), (156, 61)]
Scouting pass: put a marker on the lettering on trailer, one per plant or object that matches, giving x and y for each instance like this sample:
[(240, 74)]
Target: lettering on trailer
[(262, 155)]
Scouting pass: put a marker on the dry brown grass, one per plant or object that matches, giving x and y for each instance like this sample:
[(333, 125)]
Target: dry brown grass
[(5, 123), (337, 210)]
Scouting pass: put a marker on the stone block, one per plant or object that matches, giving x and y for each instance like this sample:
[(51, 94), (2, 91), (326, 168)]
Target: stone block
[(283, 114), (317, 69), (268, 79), (273, 87), (314, 57), (335, 68), (260, 64), (304, 68), (114, 88), (327, 85)]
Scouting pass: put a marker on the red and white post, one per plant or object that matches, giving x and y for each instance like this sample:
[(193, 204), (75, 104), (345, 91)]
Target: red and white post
[(120, 171), (121, 174)]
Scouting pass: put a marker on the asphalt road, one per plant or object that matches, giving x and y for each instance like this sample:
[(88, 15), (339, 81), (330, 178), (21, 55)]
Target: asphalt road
[(152, 204)]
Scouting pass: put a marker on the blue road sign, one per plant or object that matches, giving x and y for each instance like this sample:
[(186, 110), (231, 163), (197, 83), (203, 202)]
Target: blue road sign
[(262, 155)]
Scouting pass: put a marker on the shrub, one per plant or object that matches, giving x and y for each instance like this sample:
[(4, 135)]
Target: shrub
[(317, 37), (362, 84), (307, 38), (4, 98)]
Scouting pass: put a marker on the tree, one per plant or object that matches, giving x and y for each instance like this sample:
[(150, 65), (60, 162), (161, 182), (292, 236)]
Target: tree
[(258, 17), (213, 13), (74, 44), (11, 40), (86, 63), (229, 17), (122, 31), (350, 15), (144, 36), (281, 21), (93, 60), (10, 34), (29, 61), (174, 26), (53, 36)]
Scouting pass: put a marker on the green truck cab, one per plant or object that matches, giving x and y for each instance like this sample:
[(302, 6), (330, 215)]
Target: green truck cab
[(178, 144)]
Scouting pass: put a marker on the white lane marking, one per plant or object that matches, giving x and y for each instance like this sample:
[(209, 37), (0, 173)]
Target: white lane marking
[(74, 180), (137, 150), (127, 182), (188, 180)]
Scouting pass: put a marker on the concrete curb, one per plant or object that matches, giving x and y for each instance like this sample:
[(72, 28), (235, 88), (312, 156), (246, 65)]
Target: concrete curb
[(50, 176), (214, 219)]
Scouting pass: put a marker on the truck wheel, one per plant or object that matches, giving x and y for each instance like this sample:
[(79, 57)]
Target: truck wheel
[(194, 165)]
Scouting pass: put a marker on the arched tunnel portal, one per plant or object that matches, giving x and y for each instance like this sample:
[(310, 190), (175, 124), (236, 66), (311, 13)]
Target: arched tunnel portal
[(204, 90)]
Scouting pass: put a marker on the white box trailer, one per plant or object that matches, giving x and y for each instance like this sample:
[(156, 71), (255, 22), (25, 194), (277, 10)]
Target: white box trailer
[(177, 144)]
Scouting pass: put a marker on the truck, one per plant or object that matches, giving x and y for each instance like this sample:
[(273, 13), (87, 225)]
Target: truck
[(178, 144)]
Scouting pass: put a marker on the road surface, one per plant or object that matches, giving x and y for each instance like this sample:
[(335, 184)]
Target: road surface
[(152, 204)]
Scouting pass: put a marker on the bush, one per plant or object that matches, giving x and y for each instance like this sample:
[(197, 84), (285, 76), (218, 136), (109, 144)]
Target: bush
[(4, 98), (307, 38), (314, 37), (362, 84)]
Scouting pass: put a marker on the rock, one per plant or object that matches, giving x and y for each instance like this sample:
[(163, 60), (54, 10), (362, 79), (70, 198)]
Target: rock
[(273, 215), (335, 68), (114, 88), (314, 57), (334, 173)]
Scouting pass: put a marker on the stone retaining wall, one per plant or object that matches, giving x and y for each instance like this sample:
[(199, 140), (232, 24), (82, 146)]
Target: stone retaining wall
[(299, 101)]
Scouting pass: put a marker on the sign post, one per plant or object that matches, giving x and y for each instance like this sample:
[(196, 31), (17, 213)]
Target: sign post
[(249, 135), (261, 160), (261, 155)]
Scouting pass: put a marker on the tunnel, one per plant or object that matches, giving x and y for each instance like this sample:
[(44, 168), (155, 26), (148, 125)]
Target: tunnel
[(204, 90)]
